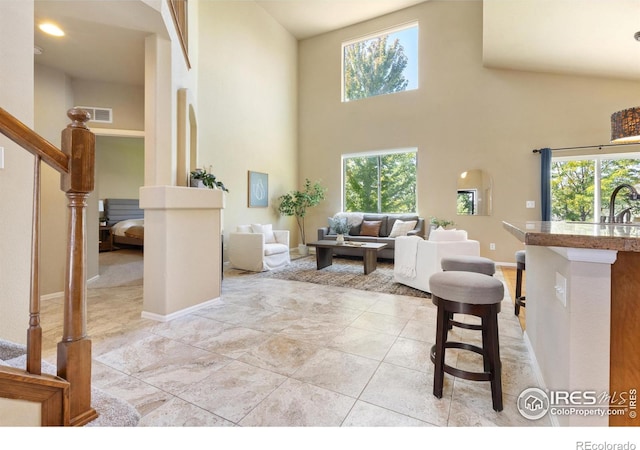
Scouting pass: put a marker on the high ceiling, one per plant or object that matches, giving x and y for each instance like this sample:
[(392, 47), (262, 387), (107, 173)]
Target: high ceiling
[(591, 37), (105, 39), (307, 18)]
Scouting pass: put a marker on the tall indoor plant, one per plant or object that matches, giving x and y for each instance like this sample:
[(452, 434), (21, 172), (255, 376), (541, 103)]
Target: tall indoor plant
[(295, 203)]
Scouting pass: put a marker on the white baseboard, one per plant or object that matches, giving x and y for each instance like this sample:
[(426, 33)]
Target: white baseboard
[(177, 314)]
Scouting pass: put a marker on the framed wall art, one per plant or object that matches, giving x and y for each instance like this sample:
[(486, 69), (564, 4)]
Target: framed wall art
[(258, 190)]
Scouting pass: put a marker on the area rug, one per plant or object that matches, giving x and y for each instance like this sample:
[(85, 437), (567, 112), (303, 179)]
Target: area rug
[(345, 272)]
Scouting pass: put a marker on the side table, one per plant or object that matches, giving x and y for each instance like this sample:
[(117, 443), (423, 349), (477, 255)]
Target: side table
[(105, 239)]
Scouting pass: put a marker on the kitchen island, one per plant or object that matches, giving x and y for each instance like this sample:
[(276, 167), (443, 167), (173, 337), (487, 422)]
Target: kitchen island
[(583, 320)]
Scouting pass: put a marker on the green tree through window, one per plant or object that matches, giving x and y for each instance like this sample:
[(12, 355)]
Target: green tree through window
[(574, 189), (381, 65), (380, 183)]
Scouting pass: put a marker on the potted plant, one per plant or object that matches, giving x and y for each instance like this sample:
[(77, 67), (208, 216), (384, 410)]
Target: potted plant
[(437, 223), (200, 177), (444, 223), (296, 203), (342, 228)]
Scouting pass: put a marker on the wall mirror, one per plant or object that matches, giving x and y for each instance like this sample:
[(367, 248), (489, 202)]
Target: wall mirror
[(474, 193)]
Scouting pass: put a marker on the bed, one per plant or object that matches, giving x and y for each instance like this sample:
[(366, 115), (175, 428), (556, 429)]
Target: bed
[(126, 220)]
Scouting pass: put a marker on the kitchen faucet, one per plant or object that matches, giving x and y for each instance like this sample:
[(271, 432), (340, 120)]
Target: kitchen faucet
[(612, 203)]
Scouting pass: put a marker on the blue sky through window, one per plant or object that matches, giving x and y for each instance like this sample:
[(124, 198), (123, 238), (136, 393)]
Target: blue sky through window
[(408, 38)]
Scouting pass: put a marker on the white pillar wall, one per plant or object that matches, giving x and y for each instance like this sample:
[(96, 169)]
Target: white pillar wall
[(182, 246), (570, 342), (16, 178)]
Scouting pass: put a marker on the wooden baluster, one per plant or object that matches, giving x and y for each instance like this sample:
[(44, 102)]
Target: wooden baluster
[(74, 351), (34, 333)]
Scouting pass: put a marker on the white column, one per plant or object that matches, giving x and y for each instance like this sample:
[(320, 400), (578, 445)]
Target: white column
[(570, 338), (183, 252)]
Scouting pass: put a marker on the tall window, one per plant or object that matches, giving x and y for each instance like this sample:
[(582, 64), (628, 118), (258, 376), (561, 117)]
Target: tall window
[(381, 182), (581, 186), (380, 64)]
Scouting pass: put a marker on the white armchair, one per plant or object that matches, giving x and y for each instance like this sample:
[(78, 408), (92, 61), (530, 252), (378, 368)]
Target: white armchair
[(417, 259), (258, 248)]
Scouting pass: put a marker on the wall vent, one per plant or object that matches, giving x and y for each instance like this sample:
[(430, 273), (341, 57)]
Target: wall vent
[(98, 114)]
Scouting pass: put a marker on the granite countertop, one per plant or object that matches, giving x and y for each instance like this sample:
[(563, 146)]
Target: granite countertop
[(603, 236)]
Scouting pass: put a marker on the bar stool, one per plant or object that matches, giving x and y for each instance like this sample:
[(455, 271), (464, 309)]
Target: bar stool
[(520, 300), (465, 263), (477, 295)]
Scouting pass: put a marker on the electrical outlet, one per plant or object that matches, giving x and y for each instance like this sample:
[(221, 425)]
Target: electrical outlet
[(531, 204), (492, 246), (561, 289)]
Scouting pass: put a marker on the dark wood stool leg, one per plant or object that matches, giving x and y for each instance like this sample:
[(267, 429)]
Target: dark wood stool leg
[(486, 340), (518, 291), (441, 337), (493, 350)]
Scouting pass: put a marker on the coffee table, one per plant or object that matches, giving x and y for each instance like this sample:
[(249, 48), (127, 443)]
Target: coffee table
[(369, 252)]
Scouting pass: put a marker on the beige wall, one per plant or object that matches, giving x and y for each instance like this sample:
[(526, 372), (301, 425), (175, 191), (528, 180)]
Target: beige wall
[(127, 102), (463, 116), (119, 167), (16, 179), (53, 97), (247, 106)]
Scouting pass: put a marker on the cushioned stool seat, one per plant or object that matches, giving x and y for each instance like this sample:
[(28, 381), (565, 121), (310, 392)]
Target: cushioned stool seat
[(478, 295), (467, 263), (520, 268)]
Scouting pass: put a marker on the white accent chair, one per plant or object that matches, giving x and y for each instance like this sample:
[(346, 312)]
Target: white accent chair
[(258, 248), (417, 259)]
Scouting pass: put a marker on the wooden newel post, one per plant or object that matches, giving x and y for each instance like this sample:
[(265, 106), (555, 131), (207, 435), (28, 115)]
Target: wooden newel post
[(74, 351)]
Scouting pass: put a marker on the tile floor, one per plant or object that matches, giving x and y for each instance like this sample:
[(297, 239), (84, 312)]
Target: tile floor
[(280, 353)]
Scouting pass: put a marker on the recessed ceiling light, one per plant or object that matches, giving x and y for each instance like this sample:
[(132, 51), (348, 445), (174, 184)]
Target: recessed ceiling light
[(637, 36), (51, 29)]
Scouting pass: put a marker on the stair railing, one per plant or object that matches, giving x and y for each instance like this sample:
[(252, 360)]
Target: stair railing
[(76, 164)]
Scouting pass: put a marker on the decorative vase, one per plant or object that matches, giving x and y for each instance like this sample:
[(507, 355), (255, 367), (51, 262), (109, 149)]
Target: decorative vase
[(340, 239), (303, 250)]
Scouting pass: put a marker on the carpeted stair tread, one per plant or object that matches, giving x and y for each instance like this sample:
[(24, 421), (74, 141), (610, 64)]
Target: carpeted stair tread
[(10, 350), (112, 411)]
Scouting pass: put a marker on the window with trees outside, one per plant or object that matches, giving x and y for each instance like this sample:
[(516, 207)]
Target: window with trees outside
[(380, 64), (581, 186), (381, 182)]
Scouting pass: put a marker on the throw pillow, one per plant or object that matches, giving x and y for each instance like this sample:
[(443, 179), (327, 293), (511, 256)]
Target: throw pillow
[(370, 228), (267, 230), (402, 228)]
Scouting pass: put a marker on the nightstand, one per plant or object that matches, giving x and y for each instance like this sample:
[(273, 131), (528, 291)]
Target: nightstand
[(105, 239)]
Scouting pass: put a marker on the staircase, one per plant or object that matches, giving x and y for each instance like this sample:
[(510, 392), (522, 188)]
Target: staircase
[(64, 399)]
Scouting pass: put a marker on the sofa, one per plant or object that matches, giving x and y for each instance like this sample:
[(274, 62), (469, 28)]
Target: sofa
[(362, 228), (417, 259)]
